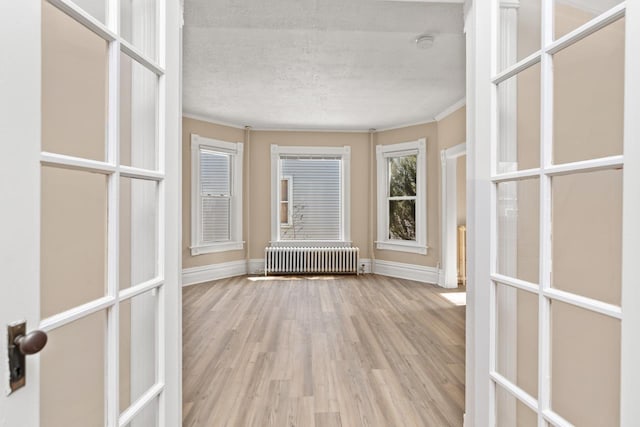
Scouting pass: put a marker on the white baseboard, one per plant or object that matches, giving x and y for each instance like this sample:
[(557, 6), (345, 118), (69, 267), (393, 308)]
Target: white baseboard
[(367, 265), (207, 273), (256, 266), (419, 273), (441, 279)]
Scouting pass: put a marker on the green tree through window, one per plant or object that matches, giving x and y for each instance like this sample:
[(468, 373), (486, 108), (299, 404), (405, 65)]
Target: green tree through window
[(402, 197)]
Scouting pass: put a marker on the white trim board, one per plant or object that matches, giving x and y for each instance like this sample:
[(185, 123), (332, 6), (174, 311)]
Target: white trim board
[(449, 215), (399, 270), (225, 270), (207, 273)]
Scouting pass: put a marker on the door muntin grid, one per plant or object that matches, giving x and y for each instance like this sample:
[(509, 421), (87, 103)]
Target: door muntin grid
[(511, 64), (146, 167)]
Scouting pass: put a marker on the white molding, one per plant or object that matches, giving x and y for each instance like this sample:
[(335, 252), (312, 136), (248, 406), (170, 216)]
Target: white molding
[(255, 266), (211, 120), (630, 329), (401, 246), (309, 130), (345, 193), (448, 217), (217, 247), (214, 121), (399, 270), (207, 273), (404, 125), (451, 109)]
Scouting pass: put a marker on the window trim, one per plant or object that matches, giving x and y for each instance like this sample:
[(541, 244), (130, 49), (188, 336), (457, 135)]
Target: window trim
[(345, 202), (383, 152), (235, 150)]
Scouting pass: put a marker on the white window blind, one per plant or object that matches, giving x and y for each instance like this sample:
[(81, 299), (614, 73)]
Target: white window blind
[(215, 192), (316, 199), (216, 195)]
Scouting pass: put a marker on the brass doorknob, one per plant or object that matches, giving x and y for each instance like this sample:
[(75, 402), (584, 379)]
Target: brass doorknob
[(31, 343)]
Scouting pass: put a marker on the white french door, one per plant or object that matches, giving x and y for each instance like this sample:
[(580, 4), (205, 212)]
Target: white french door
[(554, 162), (90, 188)]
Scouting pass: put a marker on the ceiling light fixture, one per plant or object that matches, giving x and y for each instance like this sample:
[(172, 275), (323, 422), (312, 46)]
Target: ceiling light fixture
[(424, 41)]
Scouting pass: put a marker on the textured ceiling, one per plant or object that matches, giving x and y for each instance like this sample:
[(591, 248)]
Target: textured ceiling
[(321, 64)]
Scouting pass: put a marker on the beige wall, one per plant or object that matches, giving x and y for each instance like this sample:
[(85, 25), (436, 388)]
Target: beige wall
[(261, 181), (257, 175)]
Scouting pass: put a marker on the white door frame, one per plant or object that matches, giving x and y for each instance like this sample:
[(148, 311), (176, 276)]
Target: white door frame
[(449, 216), (482, 78), (20, 164), (20, 128)]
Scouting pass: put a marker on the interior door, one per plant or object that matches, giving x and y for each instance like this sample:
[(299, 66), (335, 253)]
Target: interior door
[(554, 165), (90, 213)]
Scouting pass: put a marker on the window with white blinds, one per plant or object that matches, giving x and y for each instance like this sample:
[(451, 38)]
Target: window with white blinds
[(216, 195), (310, 194)]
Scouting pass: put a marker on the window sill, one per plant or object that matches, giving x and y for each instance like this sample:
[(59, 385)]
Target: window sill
[(216, 247), (402, 247)]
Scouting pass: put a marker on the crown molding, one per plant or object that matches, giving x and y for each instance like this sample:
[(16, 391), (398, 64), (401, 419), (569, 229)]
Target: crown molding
[(402, 126), (212, 120), (451, 109)]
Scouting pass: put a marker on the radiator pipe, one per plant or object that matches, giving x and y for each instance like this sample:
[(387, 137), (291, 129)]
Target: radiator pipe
[(372, 205)]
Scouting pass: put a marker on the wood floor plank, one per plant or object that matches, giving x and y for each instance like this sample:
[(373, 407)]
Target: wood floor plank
[(322, 351)]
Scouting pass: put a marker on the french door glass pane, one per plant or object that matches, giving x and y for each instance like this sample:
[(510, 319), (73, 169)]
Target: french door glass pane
[(510, 412), (138, 355), (148, 417), (72, 374), (74, 87), (73, 239), (138, 25), (517, 337), (569, 15), (402, 219), (138, 114), (587, 234), (588, 97), (519, 29), (138, 231), (519, 121), (585, 360), (518, 226)]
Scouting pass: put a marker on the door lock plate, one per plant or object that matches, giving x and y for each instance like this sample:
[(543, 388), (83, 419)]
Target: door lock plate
[(17, 365)]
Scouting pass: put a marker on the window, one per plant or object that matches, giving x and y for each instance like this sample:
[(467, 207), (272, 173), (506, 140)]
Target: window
[(216, 195), (310, 194), (285, 201), (402, 224)]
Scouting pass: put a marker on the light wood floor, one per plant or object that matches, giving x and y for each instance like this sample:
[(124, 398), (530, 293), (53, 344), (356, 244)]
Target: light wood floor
[(322, 351)]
